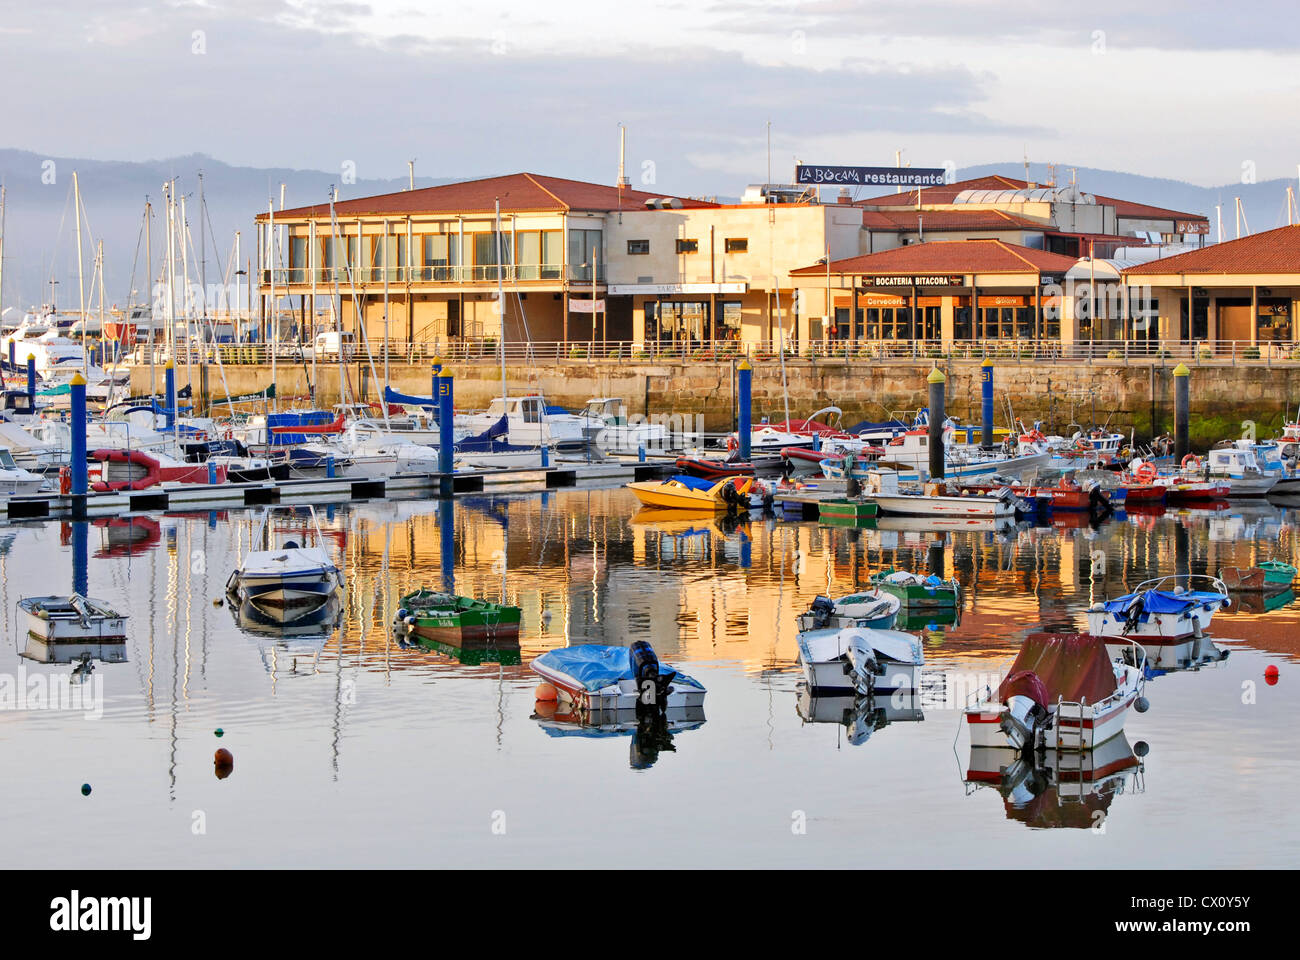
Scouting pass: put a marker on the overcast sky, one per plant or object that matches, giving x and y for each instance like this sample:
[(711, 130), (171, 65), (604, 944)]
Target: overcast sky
[(1187, 90)]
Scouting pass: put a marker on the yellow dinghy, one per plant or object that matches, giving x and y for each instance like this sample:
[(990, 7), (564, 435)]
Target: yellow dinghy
[(691, 493)]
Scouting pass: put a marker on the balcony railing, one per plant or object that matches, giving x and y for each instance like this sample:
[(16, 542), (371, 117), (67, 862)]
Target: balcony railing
[(1002, 352), (429, 273)]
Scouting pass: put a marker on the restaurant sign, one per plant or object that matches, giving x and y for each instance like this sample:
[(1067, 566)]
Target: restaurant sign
[(1191, 226), (931, 280), (871, 176)]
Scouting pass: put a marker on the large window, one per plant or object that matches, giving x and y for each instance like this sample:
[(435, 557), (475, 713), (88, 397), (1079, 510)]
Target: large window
[(730, 312), (539, 255), (486, 247), (736, 245), (638, 247), (439, 256), (298, 260), (688, 246), (584, 250), (684, 321)]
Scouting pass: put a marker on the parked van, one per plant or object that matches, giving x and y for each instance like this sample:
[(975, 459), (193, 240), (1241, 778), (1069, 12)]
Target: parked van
[(327, 345)]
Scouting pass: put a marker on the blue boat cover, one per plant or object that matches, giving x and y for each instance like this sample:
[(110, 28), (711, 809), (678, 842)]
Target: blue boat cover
[(695, 483), (596, 666), (1154, 601), (408, 400)]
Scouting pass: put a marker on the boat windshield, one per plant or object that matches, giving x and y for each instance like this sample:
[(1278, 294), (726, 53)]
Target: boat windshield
[(7, 460)]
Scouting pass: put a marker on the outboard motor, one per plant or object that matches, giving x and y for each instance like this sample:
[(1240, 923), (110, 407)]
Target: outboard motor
[(736, 501), (1133, 613), (652, 682), (822, 609), (649, 739), (1022, 722)]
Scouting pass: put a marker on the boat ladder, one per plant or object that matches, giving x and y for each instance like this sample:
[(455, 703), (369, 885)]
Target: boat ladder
[(1074, 736)]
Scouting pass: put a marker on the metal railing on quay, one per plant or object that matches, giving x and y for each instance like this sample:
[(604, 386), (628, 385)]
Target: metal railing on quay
[(485, 349)]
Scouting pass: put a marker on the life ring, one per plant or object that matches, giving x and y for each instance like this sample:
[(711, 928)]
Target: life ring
[(733, 443), (1192, 459), (1147, 472)]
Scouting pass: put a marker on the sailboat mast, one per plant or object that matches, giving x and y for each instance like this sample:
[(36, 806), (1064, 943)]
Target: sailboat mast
[(81, 279), (2, 249), (153, 301), (501, 305), (275, 327)]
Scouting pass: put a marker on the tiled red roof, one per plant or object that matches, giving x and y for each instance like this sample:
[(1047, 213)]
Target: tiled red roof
[(1273, 251), (949, 256), (517, 191), (884, 221), (947, 193)]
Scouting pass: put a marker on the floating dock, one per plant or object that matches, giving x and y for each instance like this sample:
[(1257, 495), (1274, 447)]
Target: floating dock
[(203, 496)]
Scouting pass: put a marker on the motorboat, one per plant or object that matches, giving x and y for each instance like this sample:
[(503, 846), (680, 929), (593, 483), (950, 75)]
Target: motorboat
[(1064, 691), (127, 469), (1163, 610), (912, 450), (714, 468), (594, 677), (859, 716), (288, 583), (691, 493), (1070, 789), (860, 659), (866, 609), (934, 500), (614, 433), (802, 461), (532, 424), (14, 480)]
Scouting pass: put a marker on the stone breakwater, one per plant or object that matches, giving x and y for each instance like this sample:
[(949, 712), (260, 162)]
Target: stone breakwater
[(1138, 395)]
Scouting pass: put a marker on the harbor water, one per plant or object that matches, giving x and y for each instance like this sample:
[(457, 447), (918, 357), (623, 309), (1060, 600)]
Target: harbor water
[(352, 749)]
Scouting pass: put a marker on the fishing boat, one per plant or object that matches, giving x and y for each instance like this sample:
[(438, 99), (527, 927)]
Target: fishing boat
[(1184, 485), (690, 493), (1066, 494), (285, 584), (912, 450), (867, 609), (1064, 691), (461, 622), (915, 591), (1268, 576), (1160, 611), (860, 660), (595, 677), (75, 627), (1250, 468)]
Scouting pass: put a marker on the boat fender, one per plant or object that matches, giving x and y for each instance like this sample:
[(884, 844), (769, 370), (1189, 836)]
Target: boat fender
[(1141, 748), (1142, 705)]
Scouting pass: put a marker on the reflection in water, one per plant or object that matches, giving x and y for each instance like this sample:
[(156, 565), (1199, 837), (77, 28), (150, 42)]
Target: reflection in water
[(717, 598)]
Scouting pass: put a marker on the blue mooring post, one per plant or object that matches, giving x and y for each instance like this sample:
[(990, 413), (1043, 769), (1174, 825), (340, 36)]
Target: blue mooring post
[(31, 381), (212, 472), (446, 446), (744, 400), (329, 466), (13, 359), (433, 386), (447, 544), (77, 459), (169, 391), (937, 384), (986, 389), (80, 558)]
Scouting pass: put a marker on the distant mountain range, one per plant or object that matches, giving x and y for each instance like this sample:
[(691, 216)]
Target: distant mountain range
[(40, 236)]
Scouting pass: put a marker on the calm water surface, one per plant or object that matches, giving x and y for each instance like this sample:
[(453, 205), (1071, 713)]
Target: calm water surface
[(351, 750)]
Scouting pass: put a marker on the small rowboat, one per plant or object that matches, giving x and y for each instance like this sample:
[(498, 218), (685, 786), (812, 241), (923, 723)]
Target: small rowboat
[(63, 629), (914, 590), (460, 622)]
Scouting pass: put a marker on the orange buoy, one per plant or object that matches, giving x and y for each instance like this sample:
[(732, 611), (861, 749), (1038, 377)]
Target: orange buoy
[(223, 757), (546, 693), (1270, 674), (545, 709)]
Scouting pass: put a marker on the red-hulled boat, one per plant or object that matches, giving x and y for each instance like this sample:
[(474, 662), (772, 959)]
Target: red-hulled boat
[(1064, 495)]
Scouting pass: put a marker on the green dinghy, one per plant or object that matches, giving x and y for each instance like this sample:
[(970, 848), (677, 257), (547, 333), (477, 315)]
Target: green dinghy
[(914, 590), (460, 622)]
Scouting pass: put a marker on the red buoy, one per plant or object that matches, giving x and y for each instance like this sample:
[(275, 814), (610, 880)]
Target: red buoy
[(546, 693), (1270, 674)]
